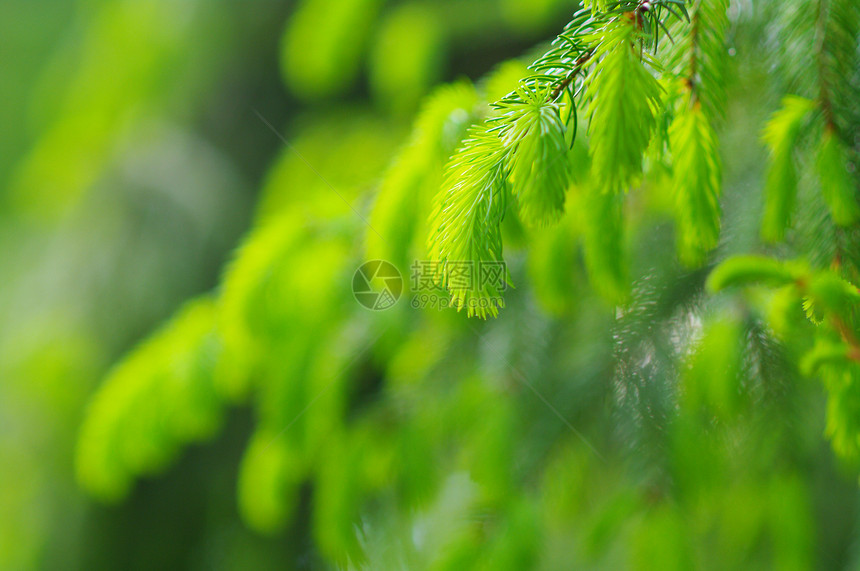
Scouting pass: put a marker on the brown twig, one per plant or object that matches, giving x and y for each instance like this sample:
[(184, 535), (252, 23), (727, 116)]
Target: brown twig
[(823, 87), (564, 83), (848, 337), (690, 80)]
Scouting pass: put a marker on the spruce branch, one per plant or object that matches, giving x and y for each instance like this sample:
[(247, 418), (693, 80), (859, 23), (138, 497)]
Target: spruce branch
[(848, 337), (413, 178), (622, 98), (837, 187), (697, 61), (580, 62), (781, 135), (822, 9), (466, 216), (698, 57), (521, 150), (538, 165), (696, 181)]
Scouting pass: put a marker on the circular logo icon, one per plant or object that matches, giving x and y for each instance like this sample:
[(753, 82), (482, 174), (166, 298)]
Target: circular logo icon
[(377, 285)]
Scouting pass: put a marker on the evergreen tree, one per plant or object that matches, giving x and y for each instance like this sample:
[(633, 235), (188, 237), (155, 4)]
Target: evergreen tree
[(629, 384)]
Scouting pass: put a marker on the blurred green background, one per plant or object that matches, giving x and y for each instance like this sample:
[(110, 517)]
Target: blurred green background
[(140, 141)]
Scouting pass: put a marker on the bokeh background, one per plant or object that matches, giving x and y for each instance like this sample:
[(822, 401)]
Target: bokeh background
[(140, 140), (131, 163)]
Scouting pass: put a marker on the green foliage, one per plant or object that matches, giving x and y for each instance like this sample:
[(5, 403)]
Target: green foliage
[(781, 136), (698, 58), (696, 180), (671, 429), (466, 216), (554, 266), (837, 28), (622, 101), (241, 321), (322, 44), (157, 400), (743, 270), (604, 244), (599, 62), (712, 378), (842, 380), (597, 5), (837, 186), (127, 67), (825, 353), (412, 180), (833, 351), (538, 165), (696, 82), (407, 56), (269, 483)]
